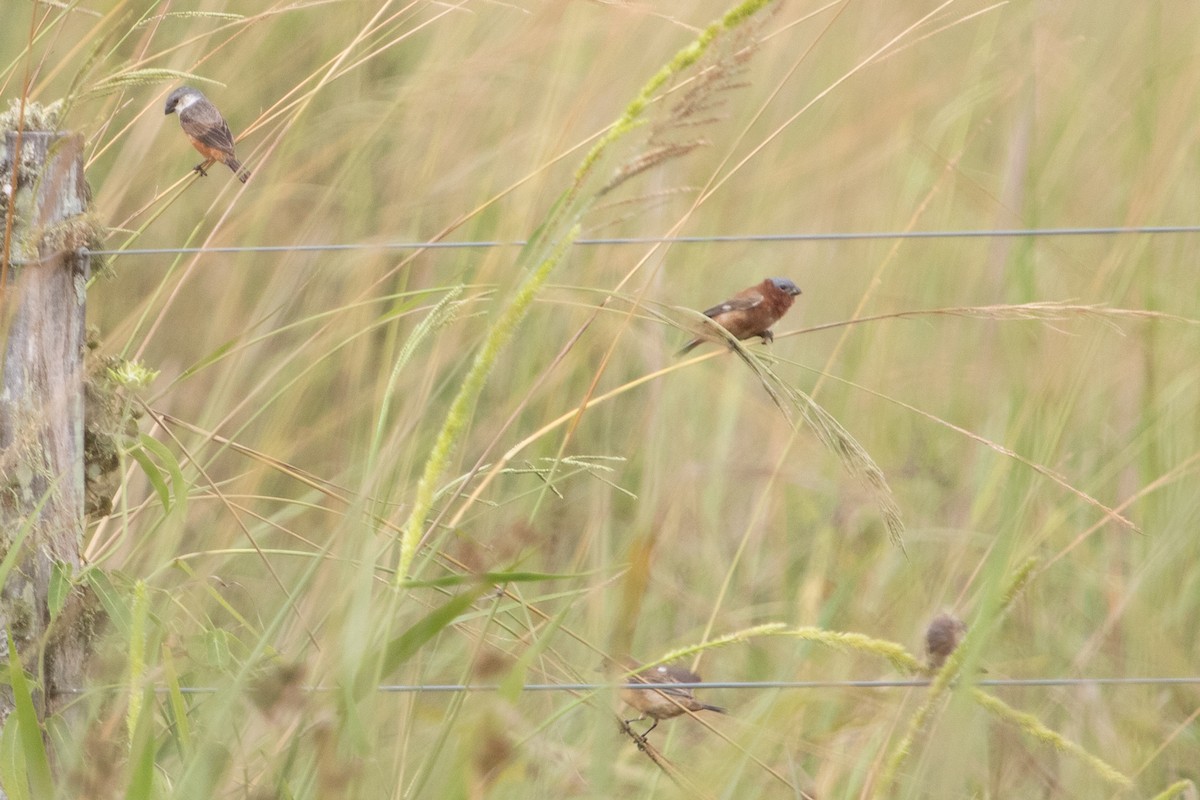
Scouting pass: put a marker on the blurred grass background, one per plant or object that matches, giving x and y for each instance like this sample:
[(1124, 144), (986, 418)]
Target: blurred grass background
[(684, 508)]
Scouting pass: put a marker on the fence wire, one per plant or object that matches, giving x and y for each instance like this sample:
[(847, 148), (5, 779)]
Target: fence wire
[(715, 239), (647, 240), (451, 688)]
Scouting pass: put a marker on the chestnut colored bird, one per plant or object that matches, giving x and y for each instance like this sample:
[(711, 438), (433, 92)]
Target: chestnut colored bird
[(664, 702), (206, 129), (751, 312), (942, 638)]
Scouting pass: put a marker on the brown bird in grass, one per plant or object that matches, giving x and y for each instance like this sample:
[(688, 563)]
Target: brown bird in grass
[(206, 129), (942, 638), (664, 702), (751, 312)]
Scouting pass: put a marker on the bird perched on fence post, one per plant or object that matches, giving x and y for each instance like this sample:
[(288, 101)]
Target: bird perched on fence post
[(206, 129), (663, 702), (751, 312)]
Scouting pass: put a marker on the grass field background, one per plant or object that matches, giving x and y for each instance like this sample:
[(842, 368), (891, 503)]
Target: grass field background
[(301, 394)]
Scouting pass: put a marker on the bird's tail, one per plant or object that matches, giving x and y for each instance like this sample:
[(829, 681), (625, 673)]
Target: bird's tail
[(242, 173), (718, 709)]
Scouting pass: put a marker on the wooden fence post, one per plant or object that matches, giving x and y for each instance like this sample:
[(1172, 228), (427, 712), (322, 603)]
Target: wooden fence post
[(41, 407)]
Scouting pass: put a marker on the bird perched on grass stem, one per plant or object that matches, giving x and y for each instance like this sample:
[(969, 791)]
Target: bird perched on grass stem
[(206, 129), (942, 638), (662, 702), (751, 312)]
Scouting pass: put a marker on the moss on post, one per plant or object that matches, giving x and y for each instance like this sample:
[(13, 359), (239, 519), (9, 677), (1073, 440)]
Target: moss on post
[(45, 272)]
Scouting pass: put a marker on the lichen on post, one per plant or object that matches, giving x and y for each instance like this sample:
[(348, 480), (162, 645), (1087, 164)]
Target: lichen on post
[(44, 266)]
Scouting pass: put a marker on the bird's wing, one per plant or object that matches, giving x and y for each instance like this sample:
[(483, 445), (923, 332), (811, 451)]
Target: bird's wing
[(678, 675), (664, 674), (739, 302), (207, 127)]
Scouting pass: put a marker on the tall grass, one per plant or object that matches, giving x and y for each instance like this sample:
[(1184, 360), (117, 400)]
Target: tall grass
[(484, 465)]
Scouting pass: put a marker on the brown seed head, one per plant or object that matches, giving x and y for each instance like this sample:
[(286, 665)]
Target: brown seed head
[(944, 634)]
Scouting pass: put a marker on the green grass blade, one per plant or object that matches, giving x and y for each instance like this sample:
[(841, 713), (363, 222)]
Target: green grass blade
[(32, 746), (406, 645)]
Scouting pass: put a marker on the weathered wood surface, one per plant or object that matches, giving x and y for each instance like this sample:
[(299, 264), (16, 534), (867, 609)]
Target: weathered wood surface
[(41, 408)]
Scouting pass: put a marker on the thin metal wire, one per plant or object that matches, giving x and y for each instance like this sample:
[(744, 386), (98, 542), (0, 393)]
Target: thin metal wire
[(643, 240), (445, 688), (720, 239), (844, 684)]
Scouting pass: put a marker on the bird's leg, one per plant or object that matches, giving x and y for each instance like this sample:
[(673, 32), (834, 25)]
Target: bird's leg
[(767, 336), (202, 167), (638, 738)]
